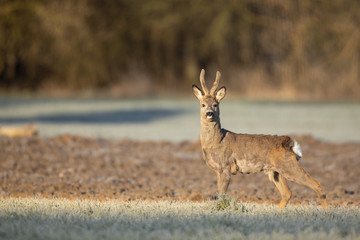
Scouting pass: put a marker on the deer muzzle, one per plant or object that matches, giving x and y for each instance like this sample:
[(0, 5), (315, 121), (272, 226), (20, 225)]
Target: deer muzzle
[(209, 115)]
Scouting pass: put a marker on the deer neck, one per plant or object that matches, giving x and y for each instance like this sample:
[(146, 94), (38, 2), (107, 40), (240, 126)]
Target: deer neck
[(210, 133)]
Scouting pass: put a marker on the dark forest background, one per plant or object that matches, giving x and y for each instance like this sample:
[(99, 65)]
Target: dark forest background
[(280, 49)]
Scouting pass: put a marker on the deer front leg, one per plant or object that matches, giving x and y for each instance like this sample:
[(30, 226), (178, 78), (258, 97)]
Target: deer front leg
[(223, 178)]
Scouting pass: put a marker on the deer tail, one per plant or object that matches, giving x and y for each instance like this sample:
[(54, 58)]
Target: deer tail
[(297, 150)]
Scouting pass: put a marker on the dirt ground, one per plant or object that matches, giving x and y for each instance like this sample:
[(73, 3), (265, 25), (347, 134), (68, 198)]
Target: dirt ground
[(77, 167)]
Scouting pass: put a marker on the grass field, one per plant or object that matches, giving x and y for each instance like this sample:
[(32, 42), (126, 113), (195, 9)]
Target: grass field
[(33, 218), (177, 120)]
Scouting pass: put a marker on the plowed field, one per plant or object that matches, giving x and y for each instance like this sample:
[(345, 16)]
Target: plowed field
[(71, 167)]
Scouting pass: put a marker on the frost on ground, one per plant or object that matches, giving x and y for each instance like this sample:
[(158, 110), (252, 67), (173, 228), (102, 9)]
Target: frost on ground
[(38, 218)]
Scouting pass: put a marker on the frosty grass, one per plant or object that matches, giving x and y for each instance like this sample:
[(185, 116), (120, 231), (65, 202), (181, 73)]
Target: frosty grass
[(37, 218)]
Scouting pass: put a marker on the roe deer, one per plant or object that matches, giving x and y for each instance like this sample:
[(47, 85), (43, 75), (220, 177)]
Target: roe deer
[(23, 131), (226, 152)]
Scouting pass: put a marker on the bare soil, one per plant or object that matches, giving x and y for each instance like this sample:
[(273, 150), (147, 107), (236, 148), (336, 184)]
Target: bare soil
[(77, 167)]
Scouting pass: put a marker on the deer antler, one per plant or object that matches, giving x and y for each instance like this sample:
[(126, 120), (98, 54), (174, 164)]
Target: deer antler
[(202, 81), (216, 83)]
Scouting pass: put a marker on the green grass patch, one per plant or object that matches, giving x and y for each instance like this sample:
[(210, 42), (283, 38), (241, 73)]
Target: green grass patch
[(33, 218)]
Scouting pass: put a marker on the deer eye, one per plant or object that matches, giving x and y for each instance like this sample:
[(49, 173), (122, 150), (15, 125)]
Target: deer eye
[(215, 105), (203, 105)]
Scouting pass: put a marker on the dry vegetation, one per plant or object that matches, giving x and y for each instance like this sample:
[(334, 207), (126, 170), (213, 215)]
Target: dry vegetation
[(272, 48)]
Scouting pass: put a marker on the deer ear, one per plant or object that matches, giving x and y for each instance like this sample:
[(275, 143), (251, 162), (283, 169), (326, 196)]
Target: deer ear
[(220, 94), (197, 92)]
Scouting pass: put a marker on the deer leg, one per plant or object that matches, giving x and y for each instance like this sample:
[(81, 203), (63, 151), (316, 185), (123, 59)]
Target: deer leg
[(223, 178), (234, 168), (281, 184), (299, 175)]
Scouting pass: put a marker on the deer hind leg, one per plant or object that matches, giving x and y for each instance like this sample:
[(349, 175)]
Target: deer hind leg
[(281, 184), (297, 174)]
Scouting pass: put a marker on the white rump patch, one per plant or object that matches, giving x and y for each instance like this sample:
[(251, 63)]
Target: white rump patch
[(297, 149)]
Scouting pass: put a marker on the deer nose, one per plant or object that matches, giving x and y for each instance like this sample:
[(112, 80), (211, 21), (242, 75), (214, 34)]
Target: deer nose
[(209, 114)]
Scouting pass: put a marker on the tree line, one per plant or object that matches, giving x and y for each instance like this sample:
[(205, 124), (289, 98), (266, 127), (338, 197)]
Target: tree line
[(299, 45)]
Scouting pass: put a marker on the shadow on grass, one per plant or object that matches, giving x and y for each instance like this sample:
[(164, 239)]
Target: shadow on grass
[(102, 117)]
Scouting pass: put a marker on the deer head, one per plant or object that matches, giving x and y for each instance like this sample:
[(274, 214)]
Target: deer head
[(209, 100)]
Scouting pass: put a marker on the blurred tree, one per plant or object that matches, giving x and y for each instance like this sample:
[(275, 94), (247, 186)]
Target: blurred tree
[(23, 44), (299, 46)]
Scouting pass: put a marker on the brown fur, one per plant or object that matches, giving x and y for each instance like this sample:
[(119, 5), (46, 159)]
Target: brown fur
[(227, 153)]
